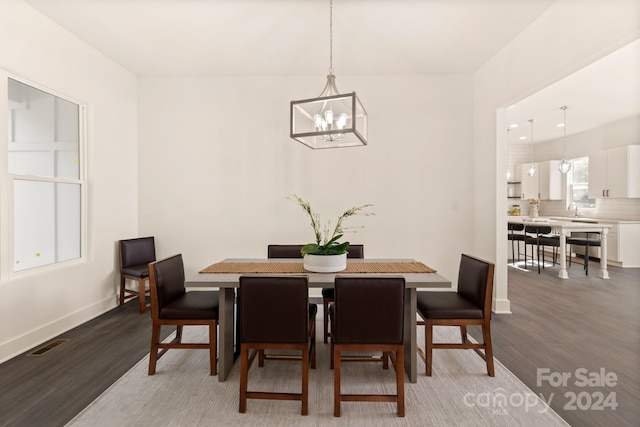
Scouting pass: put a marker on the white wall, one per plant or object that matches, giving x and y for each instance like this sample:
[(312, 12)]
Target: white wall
[(217, 165), (36, 307), (566, 37)]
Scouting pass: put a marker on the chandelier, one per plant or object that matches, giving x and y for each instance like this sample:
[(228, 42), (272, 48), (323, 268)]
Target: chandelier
[(332, 119)]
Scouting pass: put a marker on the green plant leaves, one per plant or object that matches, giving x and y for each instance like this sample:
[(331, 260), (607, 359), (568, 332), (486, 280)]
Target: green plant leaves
[(332, 248)]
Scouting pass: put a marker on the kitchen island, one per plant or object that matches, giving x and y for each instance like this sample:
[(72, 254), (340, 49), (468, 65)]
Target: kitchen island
[(564, 228)]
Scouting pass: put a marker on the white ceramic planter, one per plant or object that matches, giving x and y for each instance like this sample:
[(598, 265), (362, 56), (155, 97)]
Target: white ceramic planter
[(325, 263)]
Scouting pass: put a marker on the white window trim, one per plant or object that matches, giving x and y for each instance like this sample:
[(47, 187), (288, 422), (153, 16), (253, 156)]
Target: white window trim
[(6, 185)]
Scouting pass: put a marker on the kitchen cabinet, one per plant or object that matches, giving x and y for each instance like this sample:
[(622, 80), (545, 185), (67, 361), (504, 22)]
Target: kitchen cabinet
[(615, 173), (549, 180), (528, 184), (545, 184)]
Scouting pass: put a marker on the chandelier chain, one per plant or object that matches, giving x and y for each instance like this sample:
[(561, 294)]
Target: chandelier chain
[(330, 36)]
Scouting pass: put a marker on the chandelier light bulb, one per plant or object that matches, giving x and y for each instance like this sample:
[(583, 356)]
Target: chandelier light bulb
[(342, 121)]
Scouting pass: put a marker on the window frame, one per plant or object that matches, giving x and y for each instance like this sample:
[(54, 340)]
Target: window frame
[(7, 184), (571, 204)]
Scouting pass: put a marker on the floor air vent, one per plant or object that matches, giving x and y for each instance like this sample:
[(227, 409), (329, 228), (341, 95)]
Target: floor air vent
[(46, 348)]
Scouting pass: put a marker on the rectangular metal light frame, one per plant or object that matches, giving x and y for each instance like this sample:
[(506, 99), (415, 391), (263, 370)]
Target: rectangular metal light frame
[(303, 127)]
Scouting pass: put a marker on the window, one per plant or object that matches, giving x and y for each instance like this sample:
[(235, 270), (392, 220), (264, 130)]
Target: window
[(45, 177), (579, 184)]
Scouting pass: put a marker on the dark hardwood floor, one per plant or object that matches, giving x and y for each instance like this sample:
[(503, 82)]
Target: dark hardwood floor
[(559, 325), (563, 326), (50, 389)]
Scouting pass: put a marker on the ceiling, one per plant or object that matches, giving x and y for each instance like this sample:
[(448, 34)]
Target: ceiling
[(378, 37), (291, 37), (603, 92)]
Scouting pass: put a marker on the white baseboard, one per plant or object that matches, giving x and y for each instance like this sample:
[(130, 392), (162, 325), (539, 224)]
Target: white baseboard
[(36, 337)]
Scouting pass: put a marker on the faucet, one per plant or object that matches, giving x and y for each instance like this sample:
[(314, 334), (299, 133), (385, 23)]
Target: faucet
[(577, 213)]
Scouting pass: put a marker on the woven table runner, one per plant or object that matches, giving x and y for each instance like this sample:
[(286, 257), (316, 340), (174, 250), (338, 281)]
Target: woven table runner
[(297, 267)]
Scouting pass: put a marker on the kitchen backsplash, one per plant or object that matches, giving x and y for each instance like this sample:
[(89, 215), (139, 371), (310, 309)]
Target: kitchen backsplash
[(625, 209)]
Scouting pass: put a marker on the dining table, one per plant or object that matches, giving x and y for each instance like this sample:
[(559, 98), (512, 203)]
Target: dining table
[(564, 228), (225, 276)]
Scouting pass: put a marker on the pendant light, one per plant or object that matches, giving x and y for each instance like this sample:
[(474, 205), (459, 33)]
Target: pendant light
[(332, 119), (532, 168), (565, 165)]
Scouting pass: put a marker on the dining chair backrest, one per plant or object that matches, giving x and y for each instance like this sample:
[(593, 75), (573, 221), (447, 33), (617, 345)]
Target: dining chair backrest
[(169, 282), (475, 282), (137, 251), (284, 251), (274, 309), (537, 229), (369, 310), (513, 226)]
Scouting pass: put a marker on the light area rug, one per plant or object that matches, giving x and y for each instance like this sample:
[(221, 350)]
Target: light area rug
[(182, 393)]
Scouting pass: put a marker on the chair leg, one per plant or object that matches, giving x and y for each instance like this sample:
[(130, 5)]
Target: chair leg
[(244, 376), (305, 381), (153, 353), (488, 348), (400, 379), (513, 251), (336, 381), (142, 292), (325, 313), (312, 347), (331, 364), (463, 333), (122, 283), (428, 344), (213, 348), (586, 260)]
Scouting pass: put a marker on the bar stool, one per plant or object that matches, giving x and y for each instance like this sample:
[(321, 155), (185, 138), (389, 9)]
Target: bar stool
[(516, 237), (587, 243)]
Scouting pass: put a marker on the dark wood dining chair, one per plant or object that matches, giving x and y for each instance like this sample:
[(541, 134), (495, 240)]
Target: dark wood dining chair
[(135, 256), (172, 305), (275, 314), (470, 305), (368, 316)]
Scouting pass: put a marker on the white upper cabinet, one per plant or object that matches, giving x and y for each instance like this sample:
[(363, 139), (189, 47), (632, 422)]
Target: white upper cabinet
[(550, 180), (615, 173), (529, 184), (545, 184)]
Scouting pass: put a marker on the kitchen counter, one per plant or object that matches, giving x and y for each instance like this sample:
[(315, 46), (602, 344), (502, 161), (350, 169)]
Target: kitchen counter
[(586, 219), (599, 220), (623, 235), (564, 228)]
